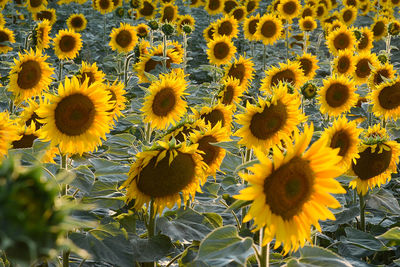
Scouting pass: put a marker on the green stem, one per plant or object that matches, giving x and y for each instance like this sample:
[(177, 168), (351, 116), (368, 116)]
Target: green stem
[(11, 106), (252, 46), (150, 230), (264, 258), (287, 40), (126, 66), (362, 212), (60, 70), (388, 49), (164, 62), (65, 258), (148, 133), (151, 38), (184, 52), (305, 41), (264, 56)]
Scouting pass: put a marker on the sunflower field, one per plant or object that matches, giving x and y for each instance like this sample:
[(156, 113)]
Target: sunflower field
[(199, 133)]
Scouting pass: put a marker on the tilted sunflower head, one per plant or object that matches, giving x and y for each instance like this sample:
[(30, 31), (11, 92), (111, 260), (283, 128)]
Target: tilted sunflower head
[(309, 90)]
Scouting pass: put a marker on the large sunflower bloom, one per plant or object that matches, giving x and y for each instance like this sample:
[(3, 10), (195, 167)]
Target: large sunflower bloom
[(124, 38), (90, 72), (270, 121), (293, 191), (308, 63), (77, 118), (6, 35), (77, 22), (381, 74), (35, 6), (364, 63), (164, 175), (242, 69), (30, 75), (42, 35), (340, 39), (213, 115), (231, 92), (8, 133), (48, 13), (67, 44), (269, 29), (250, 27), (289, 9), (226, 26), (386, 99), (344, 63), (220, 50), (165, 104)]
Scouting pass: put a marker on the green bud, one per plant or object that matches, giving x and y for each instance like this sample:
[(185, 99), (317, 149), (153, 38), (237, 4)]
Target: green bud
[(153, 24), (187, 29), (309, 90), (383, 58), (167, 29), (394, 28)]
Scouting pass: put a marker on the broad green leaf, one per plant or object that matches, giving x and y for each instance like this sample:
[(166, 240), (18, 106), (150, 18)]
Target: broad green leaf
[(153, 249), (238, 204), (223, 246), (246, 165), (317, 256), (84, 179), (107, 170), (392, 235), (214, 219), (383, 200)]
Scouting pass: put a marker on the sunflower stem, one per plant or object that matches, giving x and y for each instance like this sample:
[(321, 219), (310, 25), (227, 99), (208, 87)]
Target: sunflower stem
[(305, 41), (11, 106), (66, 252), (151, 38), (184, 52), (252, 46), (60, 70), (264, 56), (362, 212), (148, 133), (388, 38), (287, 40), (126, 67), (264, 258), (164, 61), (383, 122), (65, 258)]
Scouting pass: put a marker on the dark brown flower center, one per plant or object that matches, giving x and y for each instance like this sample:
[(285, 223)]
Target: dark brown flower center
[(147, 9), (152, 64), (389, 96), (362, 68), (283, 76), (337, 94), (371, 164), (44, 14), (74, 114), (87, 75), (341, 41), (348, 15), (221, 50), (253, 26), (35, 3), (25, 142), (320, 10), (289, 187), (379, 29), (379, 75), (229, 5), (214, 117), (267, 123), (341, 139), (29, 75), (214, 4), (306, 65), (268, 29), (211, 152), (225, 28), (3, 37), (163, 179), (67, 43), (308, 25), (307, 12), (343, 64), (164, 102), (104, 4), (250, 6), (289, 8), (238, 14), (229, 93), (77, 22), (169, 14), (123, 38), (34, 119), (363, 43), (237, 71)]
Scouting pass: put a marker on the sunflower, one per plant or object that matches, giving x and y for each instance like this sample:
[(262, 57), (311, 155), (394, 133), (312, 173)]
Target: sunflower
[(330, 27), (31, 75), (48, 13), (209, 32), (35, 6), (42, 35), (231, 92), (380, 74), (340, 39), (338, 95), (169, 13), (321, 11), (345, 136), (270, 121), (292, 192), (90, 72), (67, 44), (147, 9), (251, 5), (124, 38), (229, 5), (226, 26), (3, 3), (164, 175), (379, 28), (378, 158), (182, 131), (365, 62), (250, 27), (213, 7), (364, 43), (289, 9), (6, 35), (142, 30), (307, 24), (308, 64), (195, 3), (241, 69), (77, 118), (348, 15), (289, 72), (238, 13), (117, 3), (386, 99), (8, 133), (344, 63), (76, 22), (147, 64), (164, 105), (269, 29), (185, 20), (103, 6), (220, 50), (365, 8), (117, 99), (307, 11), (213, 115), (27, 135), (213, 155), (2, 20), (28, 115)]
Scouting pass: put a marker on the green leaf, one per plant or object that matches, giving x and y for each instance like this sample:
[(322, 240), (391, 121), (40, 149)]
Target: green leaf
[(213, 219), (246, 165), (108, 230), (153, 249), (238, 204), (392, 235), (84, 179), (317, 256), (107, 170), (383, 200), (223, 246)]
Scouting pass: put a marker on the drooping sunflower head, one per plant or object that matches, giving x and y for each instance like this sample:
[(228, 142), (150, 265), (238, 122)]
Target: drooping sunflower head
[(90, 72), (103, 6), (142, 30), (307, 11), (287, 191), (116, 99), (340, 39), (332, 26), (394, 28), (290, 72), (42, 37), (307, 24), (380, 74), (379, 28), (185, 20), (30, 76), (165, 104), (337, 95), (364, 63), (309, 90), (242, 69), (213, 115), (67, 44), (6, 35), (365, 43), (28, 116), (386, 99), (220, 50), (344, 63), (77, 118), (308, 64), (48, 13), (231, 92), (251, 5), (77, 22), (229, 5), (226, 26), (345, 136), (182, 131), (289, 9), (8, 133), (35, 6), (250, 27), (147, 9), (348, 15), (213, 7), (239, 13), (269, 29), (169, 13), (27, 135), (124, 38), (209, 32), (271, 121), (321, 11), (213, 155), (164, 175)]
